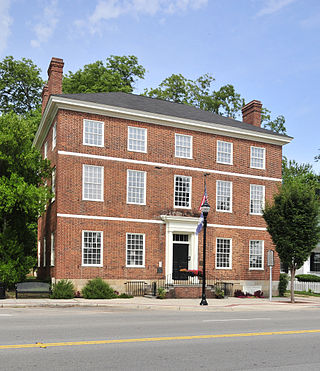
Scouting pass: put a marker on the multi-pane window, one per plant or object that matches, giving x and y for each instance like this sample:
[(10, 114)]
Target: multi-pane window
[(256, 254), (92, 248), (53, 183), (137, 139), (224, 253), (224, 196), (183, 147), (44, 252), (52, 250), (135, 250), (315, 262), (224, 152), (136, 187), (182, 191), (256, 199), (39, 253), (93, 133), (45, 150), (257, 158), (54, 135), (92, 182)]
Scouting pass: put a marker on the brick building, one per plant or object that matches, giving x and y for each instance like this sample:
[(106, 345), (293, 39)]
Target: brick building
[(128, 175)]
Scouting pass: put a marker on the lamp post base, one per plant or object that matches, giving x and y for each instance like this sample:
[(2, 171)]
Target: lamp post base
[(203, 301)]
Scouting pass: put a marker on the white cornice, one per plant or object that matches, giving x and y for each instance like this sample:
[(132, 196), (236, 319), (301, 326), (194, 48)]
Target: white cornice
[(57, 102)]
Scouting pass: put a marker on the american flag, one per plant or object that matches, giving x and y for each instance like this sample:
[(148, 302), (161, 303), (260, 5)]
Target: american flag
[(205, 197), (201, 219)]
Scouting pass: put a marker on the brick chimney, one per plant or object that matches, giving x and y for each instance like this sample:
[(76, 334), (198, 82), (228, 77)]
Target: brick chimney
[(251, 113), (54, 86)]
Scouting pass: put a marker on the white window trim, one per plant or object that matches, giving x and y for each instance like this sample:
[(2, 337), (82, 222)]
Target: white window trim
[(44, 252), (144, 251), (39, 254), (146, 140), (54, 135), (52, 251), (175, 146), (45, 150), (102, 184), (230, 255), (263, 201), (257, 269), (145, 187), (221, 162), (83, 134), (264, 158), (82, 249), (231, 196), (53, 184), (174, 192)]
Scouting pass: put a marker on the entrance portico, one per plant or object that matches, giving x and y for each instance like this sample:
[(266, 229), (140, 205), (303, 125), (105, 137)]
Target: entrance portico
[(181, 245)]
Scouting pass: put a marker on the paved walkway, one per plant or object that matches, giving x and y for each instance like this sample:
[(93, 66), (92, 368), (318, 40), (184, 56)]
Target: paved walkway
[(151, 303)]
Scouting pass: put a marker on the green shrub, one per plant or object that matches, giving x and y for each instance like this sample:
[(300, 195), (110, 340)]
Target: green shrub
[(307, 278), (219, 293), (64, 289), (98, 289), (161, 294), (125, 296), (283, 283)]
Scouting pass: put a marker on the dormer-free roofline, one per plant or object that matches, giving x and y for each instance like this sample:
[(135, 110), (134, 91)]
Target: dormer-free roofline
[(92, 104)]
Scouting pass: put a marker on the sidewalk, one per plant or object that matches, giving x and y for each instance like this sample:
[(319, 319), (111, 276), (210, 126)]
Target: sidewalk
[(152, 303)]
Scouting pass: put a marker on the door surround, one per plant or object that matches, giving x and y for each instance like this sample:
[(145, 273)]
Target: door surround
[(180, 225)]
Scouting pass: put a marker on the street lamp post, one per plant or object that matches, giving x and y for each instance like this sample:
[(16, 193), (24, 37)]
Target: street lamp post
[(205, 208)]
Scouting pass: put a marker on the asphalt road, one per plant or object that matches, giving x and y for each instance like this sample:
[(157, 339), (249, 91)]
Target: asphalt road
[(106, 339)]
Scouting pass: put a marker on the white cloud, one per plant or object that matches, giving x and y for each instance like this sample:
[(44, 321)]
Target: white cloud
[(46, 26), (274, 6), (5, 23), (112, 9)]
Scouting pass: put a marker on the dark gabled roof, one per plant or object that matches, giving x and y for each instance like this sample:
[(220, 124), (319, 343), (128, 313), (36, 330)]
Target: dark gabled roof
[(162, 107)]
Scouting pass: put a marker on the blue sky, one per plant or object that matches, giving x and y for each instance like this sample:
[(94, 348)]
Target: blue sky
[(268, 49)]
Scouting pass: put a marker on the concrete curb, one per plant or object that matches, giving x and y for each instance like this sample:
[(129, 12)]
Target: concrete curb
[(142, 303)]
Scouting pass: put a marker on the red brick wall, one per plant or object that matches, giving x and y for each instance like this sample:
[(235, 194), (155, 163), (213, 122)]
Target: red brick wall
[(159, 199)]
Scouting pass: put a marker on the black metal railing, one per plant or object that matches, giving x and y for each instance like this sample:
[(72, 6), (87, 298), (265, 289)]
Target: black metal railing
[(211, 282), (136, 288)]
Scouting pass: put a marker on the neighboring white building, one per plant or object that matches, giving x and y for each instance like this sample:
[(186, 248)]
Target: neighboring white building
[(312, 265)]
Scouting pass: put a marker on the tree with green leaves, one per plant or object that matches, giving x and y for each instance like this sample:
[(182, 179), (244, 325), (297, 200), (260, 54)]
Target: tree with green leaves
[(22, 199), (199, 93), (119, 73), (292, 171), (293, 223), (20, 85)]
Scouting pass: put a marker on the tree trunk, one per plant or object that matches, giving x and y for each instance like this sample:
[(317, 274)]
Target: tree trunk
[(293, 273)]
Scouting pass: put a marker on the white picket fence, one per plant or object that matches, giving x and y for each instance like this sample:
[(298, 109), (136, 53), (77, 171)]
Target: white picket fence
[(305, 286)]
